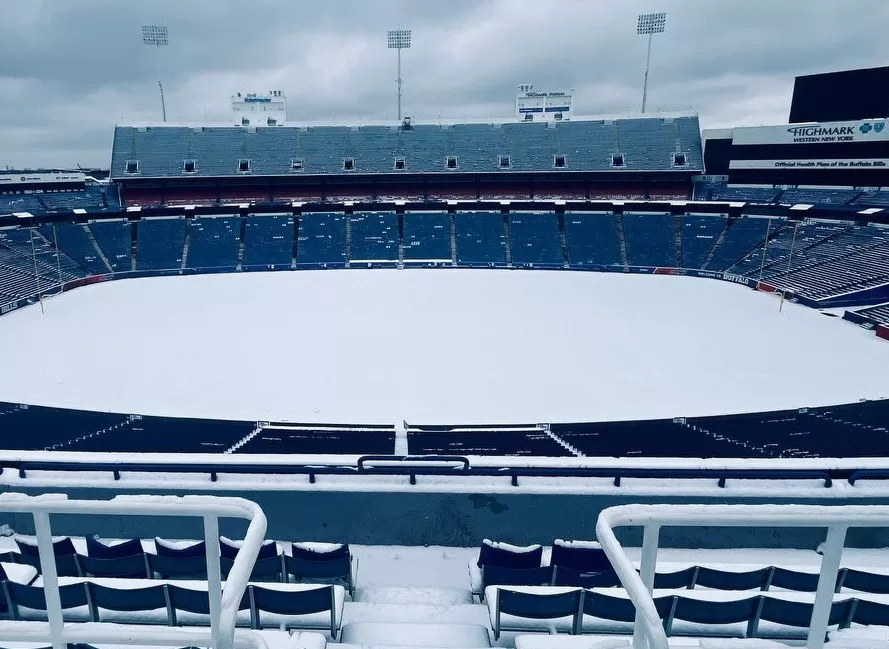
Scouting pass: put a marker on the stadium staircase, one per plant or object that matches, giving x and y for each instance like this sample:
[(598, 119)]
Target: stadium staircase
[(677, 229), (293, 254), (453, 238), (244, 440), (348, 241), (241, 237), (506, 239), (401, 240), (61, 446), (563, 242), (134, 244), (185, 246), (561, 442), (619, 226), (95, 244)]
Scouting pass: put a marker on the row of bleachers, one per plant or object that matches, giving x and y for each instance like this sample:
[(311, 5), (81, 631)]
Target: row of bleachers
[(740, 237), (818, 196), (481, 239), (650, 240), (534, 240), (642, 144), (592, 240), (699, 236), (322, 240), (115, 240), (29, 264), (518, 441), (878, 313), (213, 242), (373, 237), (75, 241), (320, 439), (268, 241), (878, 198), (427, 237), (161, 242), (792, 242)]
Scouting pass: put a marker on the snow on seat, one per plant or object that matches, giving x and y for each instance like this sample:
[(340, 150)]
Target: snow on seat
[(539, 641), (444, 636)]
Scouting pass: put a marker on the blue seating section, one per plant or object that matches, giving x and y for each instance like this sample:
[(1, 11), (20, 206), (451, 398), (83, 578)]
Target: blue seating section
[(213, 242), (161, 243), (482, 440), (114, 238), (741, 193), (374, 237), (268, 241), (647, 144), (743, 235), (322, 439), (427, 237), (877, 313), (876, 198), (534, 240), (322, 240), (481, 240), (800, 238), (30, 264), (699, 235), (75, 241), (650, 240), (592, 240), (12, 203), (815, 196)]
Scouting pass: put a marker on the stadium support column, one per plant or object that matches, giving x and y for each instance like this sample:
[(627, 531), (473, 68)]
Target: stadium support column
[(649, 24)]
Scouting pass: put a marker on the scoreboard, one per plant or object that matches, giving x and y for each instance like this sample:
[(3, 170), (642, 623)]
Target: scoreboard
[(539, 106)]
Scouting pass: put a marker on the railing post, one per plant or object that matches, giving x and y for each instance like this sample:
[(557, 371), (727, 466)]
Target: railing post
[(221, 640), (648, 566), (50, 579), (830, 565)]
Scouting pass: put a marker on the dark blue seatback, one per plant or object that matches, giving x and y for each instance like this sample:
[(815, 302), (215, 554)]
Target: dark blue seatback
[(498, 576), (707, 612), (66, 565), (289, 602), (794, 580), (178, 567), (148, 598), (866, 581), (781, 611), (489, 555), (335, 567), (583, 559), (726, 580), (98, 550), (197, 601), (313, 555), (563, 576), (132, 566), (679, 579), (620, 609), (195, 550), (538, 606), (228, 551), (34, 597), (870, 613), (61, 548), (268, 569)]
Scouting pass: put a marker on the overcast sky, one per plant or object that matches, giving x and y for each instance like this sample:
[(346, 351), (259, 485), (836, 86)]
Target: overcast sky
[(70, 70)]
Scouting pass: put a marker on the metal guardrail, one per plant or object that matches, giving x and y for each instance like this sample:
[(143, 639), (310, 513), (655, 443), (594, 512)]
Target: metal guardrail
[(224, 602), (444, 465), (649, 632)]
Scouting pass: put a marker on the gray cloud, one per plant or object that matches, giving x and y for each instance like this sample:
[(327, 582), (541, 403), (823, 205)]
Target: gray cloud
[(70, 70)]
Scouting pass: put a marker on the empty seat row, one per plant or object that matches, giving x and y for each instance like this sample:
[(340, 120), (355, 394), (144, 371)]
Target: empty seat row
[(287, 606), (575, 611)]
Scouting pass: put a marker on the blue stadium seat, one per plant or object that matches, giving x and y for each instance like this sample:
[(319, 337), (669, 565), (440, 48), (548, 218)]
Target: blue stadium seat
[(161, 243), (427, 237), (114, 238), (592, 240), (699, 235), (535, 606), (213, 242), (268, 241), (481, 240), (650, 240), (374, 238)]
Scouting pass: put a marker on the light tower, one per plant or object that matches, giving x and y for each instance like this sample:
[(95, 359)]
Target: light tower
[(399, 39), (156, 36), (650, 24)]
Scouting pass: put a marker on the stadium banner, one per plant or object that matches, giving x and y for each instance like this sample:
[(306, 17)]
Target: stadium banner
[(883, 332), (858, 131), (26, 179), (827, 165)]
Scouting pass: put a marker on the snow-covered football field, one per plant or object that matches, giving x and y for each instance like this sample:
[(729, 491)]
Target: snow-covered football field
[(433, 346)]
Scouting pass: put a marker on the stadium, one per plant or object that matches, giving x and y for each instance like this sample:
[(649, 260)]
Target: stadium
[(384, 344)]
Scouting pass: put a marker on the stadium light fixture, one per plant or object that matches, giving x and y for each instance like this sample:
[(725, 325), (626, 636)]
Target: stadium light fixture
[(157, 36), (398, 39), (649, 25)]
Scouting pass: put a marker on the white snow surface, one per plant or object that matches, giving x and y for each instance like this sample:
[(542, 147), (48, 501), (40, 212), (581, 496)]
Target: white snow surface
[(433, 346)]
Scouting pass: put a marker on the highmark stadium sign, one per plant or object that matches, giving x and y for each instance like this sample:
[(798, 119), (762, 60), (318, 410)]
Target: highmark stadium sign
[(859, 131)]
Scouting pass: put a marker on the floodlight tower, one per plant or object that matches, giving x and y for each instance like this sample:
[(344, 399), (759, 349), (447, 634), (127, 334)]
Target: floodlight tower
[(399, 39), (156, 36), (650, 24)]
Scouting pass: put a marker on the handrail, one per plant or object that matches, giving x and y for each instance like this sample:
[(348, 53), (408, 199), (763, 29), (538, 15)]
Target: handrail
[(224, 602), (837, 519), (431, 465)]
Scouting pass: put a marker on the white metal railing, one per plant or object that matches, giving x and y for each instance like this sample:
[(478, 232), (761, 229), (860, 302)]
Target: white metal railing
[(224, 603), (648, 627)]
